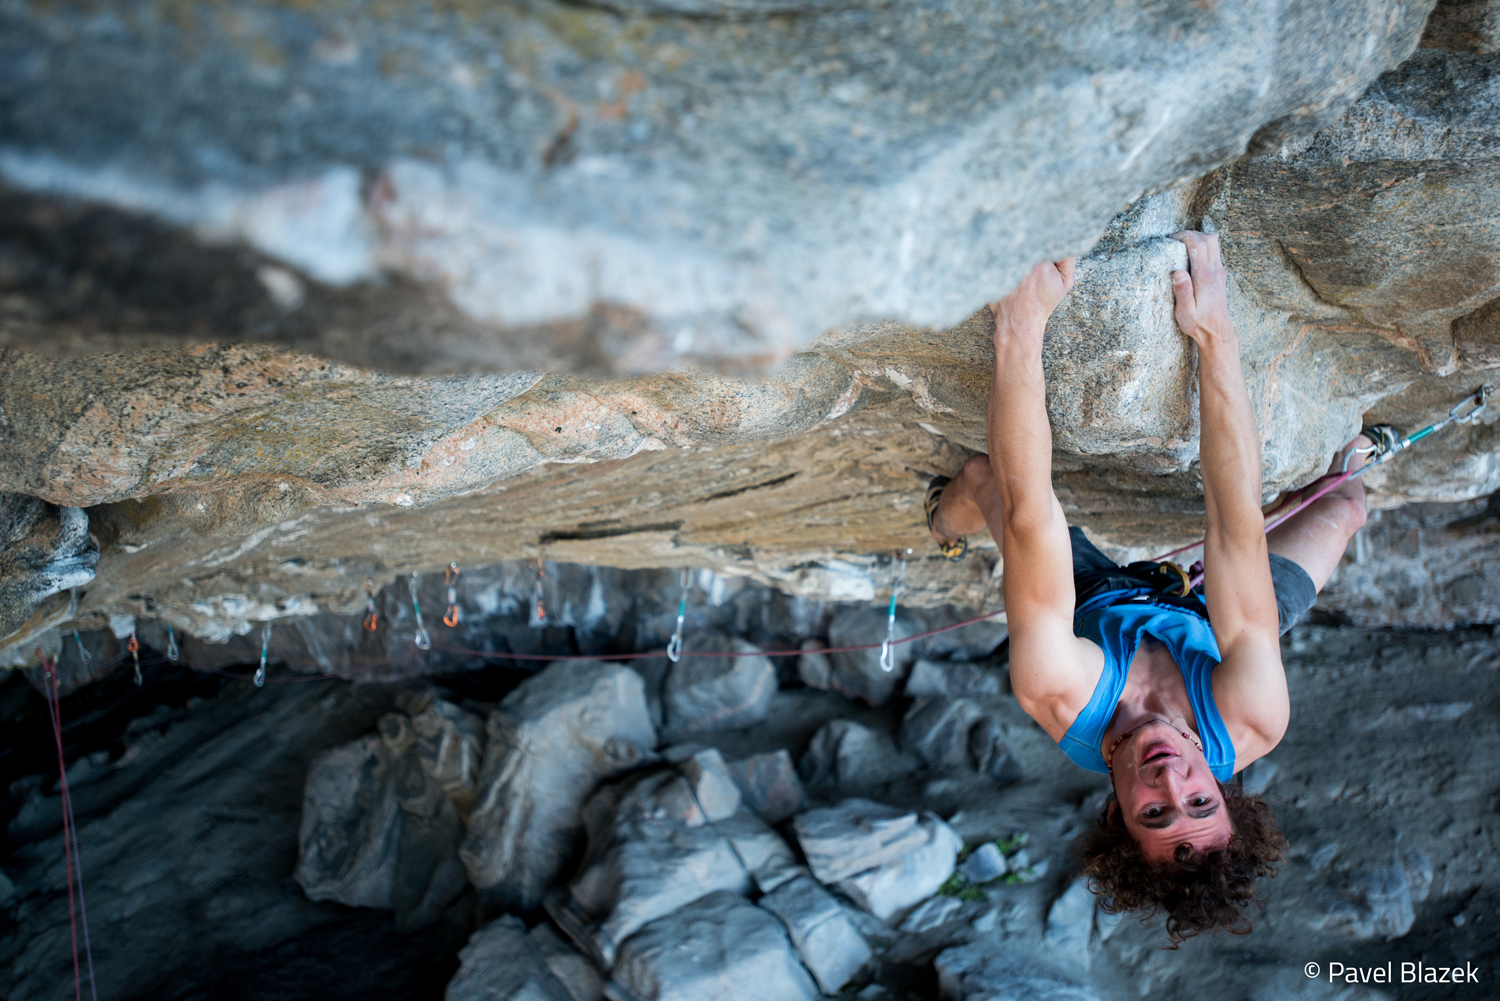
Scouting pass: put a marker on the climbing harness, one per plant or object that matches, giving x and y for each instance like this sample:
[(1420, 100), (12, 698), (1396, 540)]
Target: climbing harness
[(887, 657), (265, 648), (450, 577), (84, 657), (72, 857), (134, 646), (372, 617), (422, 638), (674, 648), (172, 652)]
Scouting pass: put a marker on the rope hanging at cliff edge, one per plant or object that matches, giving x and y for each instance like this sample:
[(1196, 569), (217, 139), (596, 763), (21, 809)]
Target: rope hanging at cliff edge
[(72, 858)]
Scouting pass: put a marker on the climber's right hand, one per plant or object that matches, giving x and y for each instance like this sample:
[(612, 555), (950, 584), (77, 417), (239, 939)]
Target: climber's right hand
[(1202, 292), (1026, 309)]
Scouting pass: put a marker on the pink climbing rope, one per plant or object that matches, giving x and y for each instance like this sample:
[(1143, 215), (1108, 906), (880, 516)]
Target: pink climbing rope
[(54, 709)]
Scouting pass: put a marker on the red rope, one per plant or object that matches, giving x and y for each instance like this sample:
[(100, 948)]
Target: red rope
[(54, 709)]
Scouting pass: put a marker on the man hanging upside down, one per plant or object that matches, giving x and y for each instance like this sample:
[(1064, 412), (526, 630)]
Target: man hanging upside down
[(1130, 675)]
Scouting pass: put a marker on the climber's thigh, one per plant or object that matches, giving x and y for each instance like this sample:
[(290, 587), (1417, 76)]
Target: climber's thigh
[(1315, 538)]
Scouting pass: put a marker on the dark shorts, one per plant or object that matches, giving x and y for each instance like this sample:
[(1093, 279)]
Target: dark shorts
[(1093, 570)]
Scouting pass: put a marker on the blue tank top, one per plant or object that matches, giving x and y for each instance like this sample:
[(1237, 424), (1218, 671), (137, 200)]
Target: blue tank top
[(1117, 620)]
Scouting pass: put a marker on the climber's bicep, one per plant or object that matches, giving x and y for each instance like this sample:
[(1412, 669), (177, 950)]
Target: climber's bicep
[(1052, 671)]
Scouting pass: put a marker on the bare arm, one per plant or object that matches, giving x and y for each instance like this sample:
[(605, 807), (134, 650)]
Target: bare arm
[(1050, 667), (1250, 685)]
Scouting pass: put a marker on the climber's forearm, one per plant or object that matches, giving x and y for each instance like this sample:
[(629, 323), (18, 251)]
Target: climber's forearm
[(1020, 437), (1237, 573), (1229, 448)]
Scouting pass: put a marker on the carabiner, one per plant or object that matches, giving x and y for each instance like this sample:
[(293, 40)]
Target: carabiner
[(1479, 400)]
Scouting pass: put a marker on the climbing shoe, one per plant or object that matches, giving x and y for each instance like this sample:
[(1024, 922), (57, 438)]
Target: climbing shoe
[(952, 551), (1383, 439)]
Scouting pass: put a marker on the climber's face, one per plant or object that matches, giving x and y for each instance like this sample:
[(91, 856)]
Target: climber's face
[(1166, 794)]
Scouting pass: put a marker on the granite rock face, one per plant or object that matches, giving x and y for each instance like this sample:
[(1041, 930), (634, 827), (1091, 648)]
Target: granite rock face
[(744, 175), (1464, 26), (1375, 215), (44, 549), (232, 484)]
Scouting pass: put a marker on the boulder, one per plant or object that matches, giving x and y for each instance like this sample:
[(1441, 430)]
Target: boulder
[(428, 873), (982, 972), (651, 850), (844, 754), (813, 666), (351, 826), (449, 743), (1376, 899), (882, 858), (983, 864), (907, 879), (931, 914), (713, 787), (502, 963), (951, 679), (856, 835), (1070, 923), (974, 642), (769, 785), (577, 975), (857, 674), (720, 946), (378, 831), (949, 732), (549, 743), (718, 693), (826, 939)]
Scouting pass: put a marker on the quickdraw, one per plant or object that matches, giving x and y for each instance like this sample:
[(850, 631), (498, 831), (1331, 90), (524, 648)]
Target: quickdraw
[(265, 648), (450, 577), (539, 612), (134, 646), (674, 648), (423, 639), (887, 655), (372, 617)]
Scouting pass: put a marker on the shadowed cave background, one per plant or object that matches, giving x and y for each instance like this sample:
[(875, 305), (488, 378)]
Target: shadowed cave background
[(574, 296)]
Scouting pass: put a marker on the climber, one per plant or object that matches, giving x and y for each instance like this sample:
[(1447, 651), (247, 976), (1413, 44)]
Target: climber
[(1132, 674)]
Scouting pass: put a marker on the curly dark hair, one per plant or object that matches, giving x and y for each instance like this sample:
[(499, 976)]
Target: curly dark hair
[(1198, 891)]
